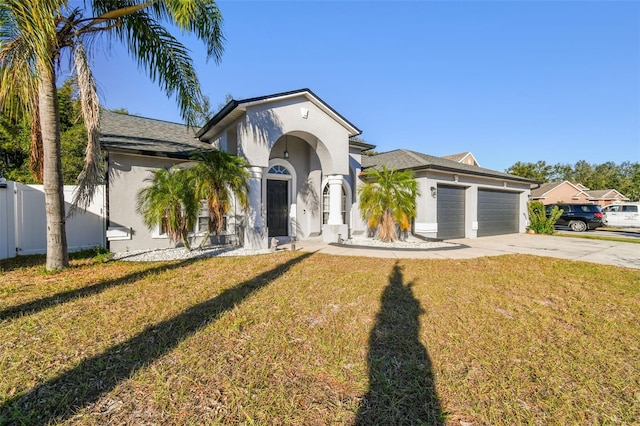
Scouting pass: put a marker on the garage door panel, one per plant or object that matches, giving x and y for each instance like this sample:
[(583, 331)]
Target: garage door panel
[(450, 211), (498, 212)]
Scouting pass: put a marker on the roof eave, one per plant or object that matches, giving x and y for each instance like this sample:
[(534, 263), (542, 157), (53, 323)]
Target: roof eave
[(363, 146), (476, 173), (230, 106), (184, 155)]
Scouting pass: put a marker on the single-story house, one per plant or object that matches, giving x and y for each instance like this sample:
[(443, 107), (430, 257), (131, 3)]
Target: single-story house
[(569, 192), (604, 197), (305, 171)]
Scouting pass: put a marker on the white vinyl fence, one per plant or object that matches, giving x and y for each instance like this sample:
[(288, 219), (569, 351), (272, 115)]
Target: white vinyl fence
[(23, 228)]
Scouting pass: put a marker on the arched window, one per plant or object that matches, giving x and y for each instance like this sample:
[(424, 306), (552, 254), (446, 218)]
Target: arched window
[(325, 205), (279, 170)]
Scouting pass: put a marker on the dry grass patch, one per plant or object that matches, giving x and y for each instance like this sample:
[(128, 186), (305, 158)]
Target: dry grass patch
[(293, 338)]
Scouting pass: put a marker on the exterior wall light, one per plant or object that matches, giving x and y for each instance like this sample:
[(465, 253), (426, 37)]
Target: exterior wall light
[(434, 191)]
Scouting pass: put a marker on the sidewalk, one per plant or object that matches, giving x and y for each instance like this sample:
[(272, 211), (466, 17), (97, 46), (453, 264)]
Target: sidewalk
[(596, 251)]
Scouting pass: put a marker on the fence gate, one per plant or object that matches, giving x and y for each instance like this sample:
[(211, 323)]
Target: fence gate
[(22, 212)]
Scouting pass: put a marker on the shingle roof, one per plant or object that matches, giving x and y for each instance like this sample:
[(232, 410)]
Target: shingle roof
[(406, 159), (602, 194), (544, 188), (130, 133), (599, 193)]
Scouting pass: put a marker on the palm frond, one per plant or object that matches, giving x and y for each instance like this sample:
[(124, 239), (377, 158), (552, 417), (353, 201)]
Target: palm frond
[(219, 178), (160, 54), (388, 197), (93, 171), (170, 200)]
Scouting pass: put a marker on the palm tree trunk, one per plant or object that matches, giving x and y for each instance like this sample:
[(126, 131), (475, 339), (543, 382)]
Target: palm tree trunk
[(387, 230), (57, 254)]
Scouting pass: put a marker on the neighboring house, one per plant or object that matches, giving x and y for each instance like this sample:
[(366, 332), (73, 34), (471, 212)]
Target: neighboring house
[(305, 172), (604, 197), (464, 158), (556, 192), (568, 192)]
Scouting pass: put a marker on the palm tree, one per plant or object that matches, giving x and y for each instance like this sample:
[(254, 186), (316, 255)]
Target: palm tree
[(170, 202), (218, 178), (388, 198), (36, 34)]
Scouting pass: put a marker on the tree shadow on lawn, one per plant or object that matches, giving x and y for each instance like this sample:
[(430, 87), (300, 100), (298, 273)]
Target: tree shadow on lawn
[(59, 398), (31, 260), (38, 305), (401, 383)]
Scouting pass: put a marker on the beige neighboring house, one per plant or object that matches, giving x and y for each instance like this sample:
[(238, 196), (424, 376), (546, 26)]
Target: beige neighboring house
[(464, 158), (605, 197), (568, 192), (305, 167)]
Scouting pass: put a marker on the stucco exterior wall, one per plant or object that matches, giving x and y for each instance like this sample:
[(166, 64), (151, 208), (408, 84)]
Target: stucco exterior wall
[(357, 224), (126, 178), (264, 124)]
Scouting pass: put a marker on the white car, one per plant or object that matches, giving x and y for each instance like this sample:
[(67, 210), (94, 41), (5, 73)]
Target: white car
[(622, 215)]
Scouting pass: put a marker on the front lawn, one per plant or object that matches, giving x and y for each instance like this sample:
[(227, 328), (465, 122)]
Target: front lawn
[(299, 338)]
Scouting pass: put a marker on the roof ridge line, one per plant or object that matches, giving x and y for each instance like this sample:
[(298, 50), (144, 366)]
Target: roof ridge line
[(414, 155)]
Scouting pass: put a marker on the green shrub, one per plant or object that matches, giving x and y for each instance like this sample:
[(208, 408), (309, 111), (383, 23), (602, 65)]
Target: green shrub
[(538, 220)]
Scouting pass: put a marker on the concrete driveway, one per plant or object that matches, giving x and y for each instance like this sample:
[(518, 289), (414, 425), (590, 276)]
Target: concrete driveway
[(596, 251)]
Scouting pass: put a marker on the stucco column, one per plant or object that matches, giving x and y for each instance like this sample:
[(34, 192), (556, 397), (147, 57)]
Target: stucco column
[(335, 230), (255, 237), (335, 200)]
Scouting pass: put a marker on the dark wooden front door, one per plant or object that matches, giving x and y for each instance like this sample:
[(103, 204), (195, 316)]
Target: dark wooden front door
[(277, 207)]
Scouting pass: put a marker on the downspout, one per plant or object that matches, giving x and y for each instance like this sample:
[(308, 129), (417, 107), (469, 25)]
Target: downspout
[(107, 223), (539, 184)]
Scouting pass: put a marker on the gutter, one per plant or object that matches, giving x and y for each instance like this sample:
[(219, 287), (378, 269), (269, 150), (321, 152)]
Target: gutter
[(474, 173), (172, 155)]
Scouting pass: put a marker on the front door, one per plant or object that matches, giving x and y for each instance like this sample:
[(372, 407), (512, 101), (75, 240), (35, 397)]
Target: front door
[(277, 207)]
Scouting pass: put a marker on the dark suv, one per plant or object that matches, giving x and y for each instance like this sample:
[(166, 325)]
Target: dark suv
[(578, 217)]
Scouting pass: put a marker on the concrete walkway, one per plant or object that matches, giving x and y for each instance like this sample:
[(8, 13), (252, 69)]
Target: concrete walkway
[(596, 251)]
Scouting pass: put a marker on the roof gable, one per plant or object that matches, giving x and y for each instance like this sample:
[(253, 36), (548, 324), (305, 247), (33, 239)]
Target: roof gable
[(606, 194), (235, 108), (463, 157), (543, 190)]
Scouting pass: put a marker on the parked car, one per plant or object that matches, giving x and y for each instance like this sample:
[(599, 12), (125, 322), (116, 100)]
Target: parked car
[(623, 215), (578, 217)]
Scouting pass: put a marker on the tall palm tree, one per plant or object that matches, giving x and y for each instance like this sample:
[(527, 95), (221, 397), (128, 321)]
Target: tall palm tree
[(36, 34), (218, 178), (170, 202), (388, 198)]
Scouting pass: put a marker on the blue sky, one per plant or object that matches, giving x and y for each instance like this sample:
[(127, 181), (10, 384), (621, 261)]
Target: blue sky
[(509, 81)]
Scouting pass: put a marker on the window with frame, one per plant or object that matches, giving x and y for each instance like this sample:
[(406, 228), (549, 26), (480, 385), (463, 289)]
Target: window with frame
[(202, 224), (325, 205), (279, 170), (162, 231)]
